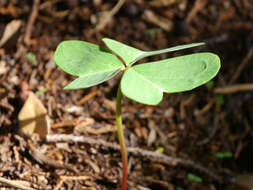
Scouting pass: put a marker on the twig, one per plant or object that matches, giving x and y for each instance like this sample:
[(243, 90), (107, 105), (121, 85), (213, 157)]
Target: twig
[(212, 132), (163, 23), (108, 15), (42, 159), (47, 4), (87, 97), (234, 88), (205, 109), (32, 18), (66, 178), (25, 143), (5, 104), (14, 184), (242, 66), (198, 6), (154, 156), (185, 103)]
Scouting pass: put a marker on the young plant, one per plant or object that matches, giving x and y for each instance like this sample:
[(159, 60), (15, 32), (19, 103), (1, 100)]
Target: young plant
[(144, 83)]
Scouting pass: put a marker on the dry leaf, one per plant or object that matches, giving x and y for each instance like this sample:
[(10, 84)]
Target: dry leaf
[(33, 117), (10, 30)]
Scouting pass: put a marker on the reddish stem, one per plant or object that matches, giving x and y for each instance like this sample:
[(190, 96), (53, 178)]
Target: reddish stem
[(121, 139)]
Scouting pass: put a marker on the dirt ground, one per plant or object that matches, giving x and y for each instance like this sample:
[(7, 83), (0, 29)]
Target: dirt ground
[(205, 135)]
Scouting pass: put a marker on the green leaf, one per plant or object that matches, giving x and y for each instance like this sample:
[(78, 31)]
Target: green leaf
[(131, 55), (222, 155), (41, 92), (136, 87), (160, 149), (145, 83), (79, 58), (91, 79), (176, 48), (91, 63), (30, 57), (125, 52), (194, 178)]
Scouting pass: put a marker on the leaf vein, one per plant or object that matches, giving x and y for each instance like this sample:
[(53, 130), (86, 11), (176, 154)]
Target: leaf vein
[(153, 84)]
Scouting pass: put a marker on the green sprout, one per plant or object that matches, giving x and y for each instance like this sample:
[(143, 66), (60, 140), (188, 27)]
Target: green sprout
[(30, 57), (160, 149), (41, 92), (143, 83), (222, 155), (194, 178)]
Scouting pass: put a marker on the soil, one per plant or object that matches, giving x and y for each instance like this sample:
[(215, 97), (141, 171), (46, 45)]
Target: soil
[(204, 135)]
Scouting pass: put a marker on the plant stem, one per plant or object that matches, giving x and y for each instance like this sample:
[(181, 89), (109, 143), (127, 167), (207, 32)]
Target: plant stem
[(121, 139)]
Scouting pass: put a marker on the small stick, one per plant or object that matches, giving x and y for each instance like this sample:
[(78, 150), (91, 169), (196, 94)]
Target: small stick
[(234, 88), (65, 178), (205, 109), (198, 6), (32, 18), (42, 159), (14, 184), (108, 15), (87, 97), (152, 155), (47, 4), (211, 133), (26, 143), (163, 23), (245, 61)]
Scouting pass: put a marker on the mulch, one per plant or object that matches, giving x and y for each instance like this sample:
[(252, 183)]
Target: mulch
[(81, 151)]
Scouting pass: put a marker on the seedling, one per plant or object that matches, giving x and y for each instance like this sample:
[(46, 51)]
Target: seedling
[(30, 57), (143, 83), (41, 92), (222, 155), (160, 149), (194, 178)]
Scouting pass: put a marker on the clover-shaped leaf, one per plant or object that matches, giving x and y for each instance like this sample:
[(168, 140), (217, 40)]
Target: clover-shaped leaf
[(92, 64), (145, 83)]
